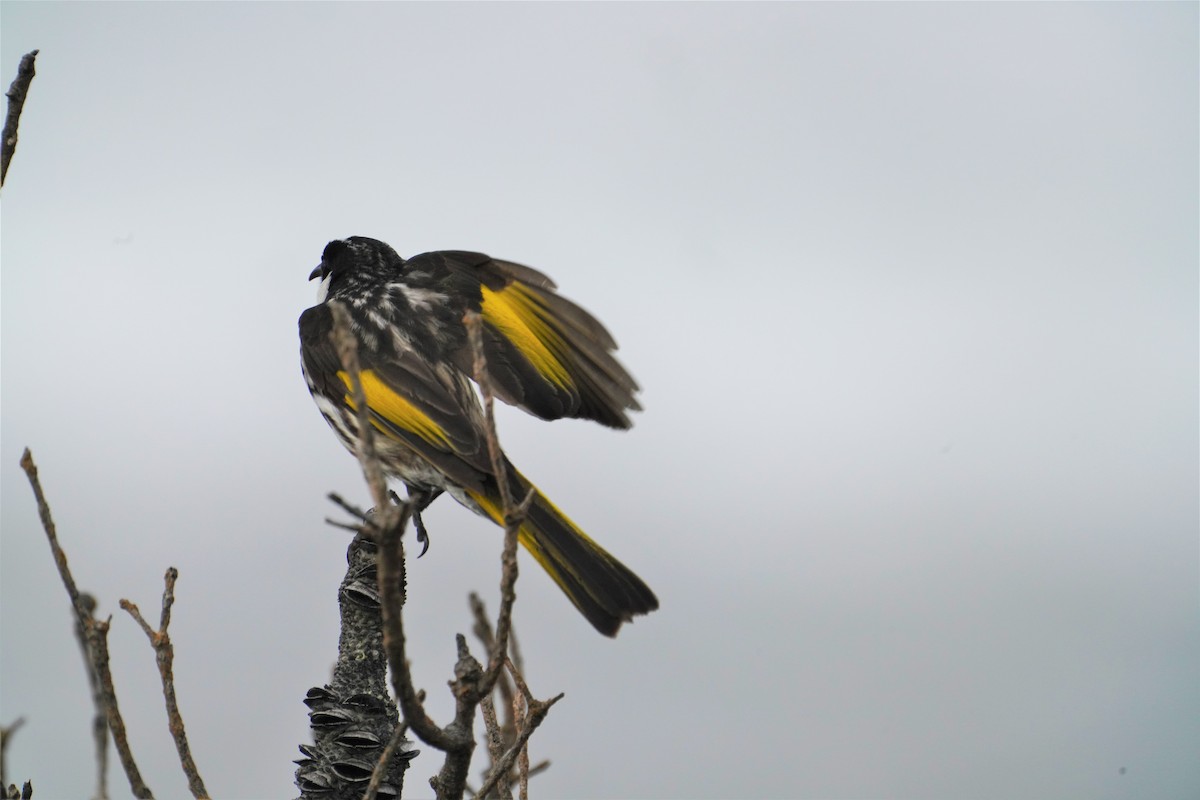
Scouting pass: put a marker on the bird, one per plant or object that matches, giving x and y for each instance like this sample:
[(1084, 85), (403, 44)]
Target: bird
[(544, 354)]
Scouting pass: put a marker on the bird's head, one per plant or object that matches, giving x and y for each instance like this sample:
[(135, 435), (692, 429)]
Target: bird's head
[(354, 263)]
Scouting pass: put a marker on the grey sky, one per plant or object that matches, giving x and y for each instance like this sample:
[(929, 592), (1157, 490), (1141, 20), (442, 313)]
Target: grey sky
[(912, 291)]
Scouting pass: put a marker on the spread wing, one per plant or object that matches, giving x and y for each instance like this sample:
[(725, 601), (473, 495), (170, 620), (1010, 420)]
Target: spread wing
[(429, 409), (545, 353)]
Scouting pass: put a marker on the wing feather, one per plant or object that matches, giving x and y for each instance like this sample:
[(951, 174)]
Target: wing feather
[(430, 410), (546, 354)]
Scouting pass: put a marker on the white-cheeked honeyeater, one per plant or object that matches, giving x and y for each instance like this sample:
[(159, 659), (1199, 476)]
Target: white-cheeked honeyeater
[(544, 354)]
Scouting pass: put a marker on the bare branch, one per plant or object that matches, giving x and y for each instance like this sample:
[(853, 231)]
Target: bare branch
[(504, 685), (6, 732), (97, 635), (164, 654), (347, 350), (513, 517), (537, 712), (520, 710), (100, 718), (391, 579), (483, 630), (98, 644), (16, 102), (495, 741), (60, 557), (13, 793), (451, 781)]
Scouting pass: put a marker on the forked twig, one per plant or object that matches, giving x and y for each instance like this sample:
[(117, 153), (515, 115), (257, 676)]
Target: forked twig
[(537, 710), (164, 654), (97, 635)]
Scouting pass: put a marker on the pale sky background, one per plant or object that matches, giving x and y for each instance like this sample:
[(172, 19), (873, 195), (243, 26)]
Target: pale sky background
[(912, 291)]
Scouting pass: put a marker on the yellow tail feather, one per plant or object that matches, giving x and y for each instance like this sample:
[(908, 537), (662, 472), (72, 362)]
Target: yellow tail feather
[(603, 589)]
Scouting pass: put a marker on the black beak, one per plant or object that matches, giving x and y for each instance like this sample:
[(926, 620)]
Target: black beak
[(319, 272)]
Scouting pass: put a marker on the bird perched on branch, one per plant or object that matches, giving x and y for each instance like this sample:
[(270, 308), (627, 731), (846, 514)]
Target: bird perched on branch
[(544, 354)]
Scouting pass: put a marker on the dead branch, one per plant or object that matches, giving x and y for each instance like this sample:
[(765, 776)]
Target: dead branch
[(513, 516), (13, 793), (6, 732), (164, 655), (537, 710), (100, 718), (16, 103), (97, 635), (483, 631), (495, 743), (347, 350)]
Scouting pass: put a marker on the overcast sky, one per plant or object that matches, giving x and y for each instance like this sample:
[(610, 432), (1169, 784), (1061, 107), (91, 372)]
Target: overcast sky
[(911, 290)]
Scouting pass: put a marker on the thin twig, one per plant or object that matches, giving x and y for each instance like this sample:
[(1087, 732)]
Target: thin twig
[(537, 712), (474, 323), (97, 635), (347, 350), (349, 508), (6, 732), (483, 630), (390, 579), (520, 709), (100, 718), (98, 643), (16, 102), (513, 517), (164, 654), (495, 741), (60, 557)]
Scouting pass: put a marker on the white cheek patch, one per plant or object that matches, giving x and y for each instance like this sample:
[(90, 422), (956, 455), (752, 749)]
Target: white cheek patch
[(323, 288)]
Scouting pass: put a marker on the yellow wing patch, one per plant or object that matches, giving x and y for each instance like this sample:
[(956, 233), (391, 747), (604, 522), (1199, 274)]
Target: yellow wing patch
[(515, 314), (394, 408)]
